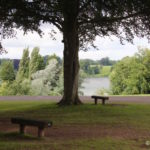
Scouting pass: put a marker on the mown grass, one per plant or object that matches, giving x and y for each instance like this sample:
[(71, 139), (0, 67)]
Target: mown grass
[(127, 115), (105, 71), (81, 144)]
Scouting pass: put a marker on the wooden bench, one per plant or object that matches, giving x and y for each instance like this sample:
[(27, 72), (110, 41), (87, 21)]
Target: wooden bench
[(103, 98), (27, 122)]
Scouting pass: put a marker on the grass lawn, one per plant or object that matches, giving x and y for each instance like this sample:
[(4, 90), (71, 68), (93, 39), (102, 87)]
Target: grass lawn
[(85, 127), (106, 71)]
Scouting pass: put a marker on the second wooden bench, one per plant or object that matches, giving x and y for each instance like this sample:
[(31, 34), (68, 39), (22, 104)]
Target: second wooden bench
[(28, 122), (102, 98)]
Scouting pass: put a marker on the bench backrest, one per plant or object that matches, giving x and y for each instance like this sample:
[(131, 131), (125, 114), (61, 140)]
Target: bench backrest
[(30, 122)]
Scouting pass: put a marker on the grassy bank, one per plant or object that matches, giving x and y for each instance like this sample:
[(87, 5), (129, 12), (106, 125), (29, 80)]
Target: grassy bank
[(104, 72), (85, 127)]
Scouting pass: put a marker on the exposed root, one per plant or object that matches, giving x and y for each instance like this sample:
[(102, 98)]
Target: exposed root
[(65, 102)]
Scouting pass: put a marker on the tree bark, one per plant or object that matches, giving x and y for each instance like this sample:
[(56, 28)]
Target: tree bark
[(71, 62)]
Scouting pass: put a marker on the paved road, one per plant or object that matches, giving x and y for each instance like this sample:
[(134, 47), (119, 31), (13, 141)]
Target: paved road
[(113, 99)]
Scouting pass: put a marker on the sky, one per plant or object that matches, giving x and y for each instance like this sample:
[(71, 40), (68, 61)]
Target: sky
[(108, 46)]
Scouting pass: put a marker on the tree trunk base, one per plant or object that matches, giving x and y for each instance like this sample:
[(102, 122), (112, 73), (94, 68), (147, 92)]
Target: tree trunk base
[(65, 102)]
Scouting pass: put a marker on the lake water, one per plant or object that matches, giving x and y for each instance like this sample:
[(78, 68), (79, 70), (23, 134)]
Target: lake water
[(91, 85)]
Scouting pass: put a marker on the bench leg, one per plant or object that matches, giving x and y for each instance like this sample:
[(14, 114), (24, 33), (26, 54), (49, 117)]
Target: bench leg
[(40, 132), (95, 101), (22, 129), (103, 101)]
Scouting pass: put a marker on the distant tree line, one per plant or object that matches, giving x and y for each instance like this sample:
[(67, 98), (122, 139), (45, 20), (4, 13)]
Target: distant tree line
[(106, 62), (88, 66), (14, 61), (17, 61), (93, 67), (131, 75)]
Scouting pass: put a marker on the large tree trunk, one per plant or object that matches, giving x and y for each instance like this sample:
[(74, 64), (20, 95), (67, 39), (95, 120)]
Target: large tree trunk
[(71, 70), (71, 62)]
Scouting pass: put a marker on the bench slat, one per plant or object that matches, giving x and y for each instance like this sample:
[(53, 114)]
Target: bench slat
[(100, 97), (29, 122)]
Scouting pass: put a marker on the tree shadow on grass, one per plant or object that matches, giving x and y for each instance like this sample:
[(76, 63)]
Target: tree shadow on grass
[(15, 136), (117, 105), (112, 105)]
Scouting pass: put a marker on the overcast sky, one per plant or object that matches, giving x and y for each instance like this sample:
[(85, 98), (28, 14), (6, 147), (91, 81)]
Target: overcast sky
[(108, 47)]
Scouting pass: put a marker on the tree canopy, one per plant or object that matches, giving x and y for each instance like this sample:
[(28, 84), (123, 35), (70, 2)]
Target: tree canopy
[(123, 18)]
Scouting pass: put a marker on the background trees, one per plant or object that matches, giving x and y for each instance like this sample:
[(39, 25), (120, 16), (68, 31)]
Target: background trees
[(35, 76), (131, 74), (7, 77), (107, 62), (96, 68), (46, 82), (23, 71), (7, 72), (36, 61)]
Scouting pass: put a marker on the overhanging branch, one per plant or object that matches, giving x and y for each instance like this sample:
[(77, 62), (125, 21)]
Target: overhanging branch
[(108, 19)]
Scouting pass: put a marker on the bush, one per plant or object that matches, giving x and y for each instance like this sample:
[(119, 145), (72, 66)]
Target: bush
[(131, 75)]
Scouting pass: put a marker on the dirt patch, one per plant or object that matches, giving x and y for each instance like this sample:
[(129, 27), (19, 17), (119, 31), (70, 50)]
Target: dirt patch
[(81, 131), (95, 131), (116, 105)]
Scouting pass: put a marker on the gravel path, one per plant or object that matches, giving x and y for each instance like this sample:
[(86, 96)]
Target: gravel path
[(113, 99)]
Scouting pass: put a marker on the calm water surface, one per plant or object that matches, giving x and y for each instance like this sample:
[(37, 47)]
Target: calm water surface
[(91, 85)]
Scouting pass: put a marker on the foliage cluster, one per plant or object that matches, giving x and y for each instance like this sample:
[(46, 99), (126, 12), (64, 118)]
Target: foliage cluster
[(35, 75), (47, 81), (131, 75)]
